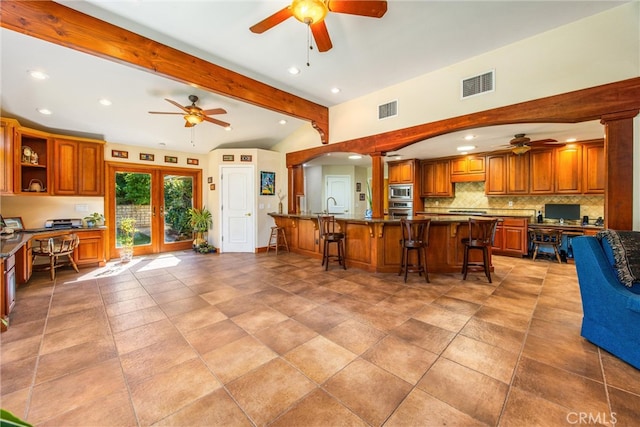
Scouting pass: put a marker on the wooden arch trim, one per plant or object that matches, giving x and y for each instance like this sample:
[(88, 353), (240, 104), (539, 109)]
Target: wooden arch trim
[(67, 27)]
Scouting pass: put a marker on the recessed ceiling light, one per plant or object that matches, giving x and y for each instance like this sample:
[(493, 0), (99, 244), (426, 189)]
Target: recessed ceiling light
[(571, 139), (355, 157), (162, 144), (335, 90), (38, 75), (283, 122), (469, 137), (45, 111), (105, 102), (465, 147), (465, 152), (228, 128), (294, 70)]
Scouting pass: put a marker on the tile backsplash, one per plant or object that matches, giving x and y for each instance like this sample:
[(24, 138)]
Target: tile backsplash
[(471, 195)]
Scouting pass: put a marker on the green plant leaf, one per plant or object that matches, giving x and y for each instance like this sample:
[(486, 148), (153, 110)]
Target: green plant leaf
[(9, 420)]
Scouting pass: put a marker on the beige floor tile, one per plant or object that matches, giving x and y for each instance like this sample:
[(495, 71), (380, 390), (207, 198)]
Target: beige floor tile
[(370, 392), (496, 335), (482, 357), (401, 358), (620, 374), (441, 317), (199, 318), (79, 318), (173, 295), (74, 358), (469, 391), (127, 306), (17, 375), (136, 318), (125, 294), (267, 392), (258, 319), (16, 402), (355, 336), (76, 335), (237, 358), (516, 321), (182, 306), (20, 349), (321, 319), (285, 336), (319, 409), (167, 392), (293, 305), (625, 407), (215, 409), (214, 336), (526, 409), (424, 335), (142, 336), (319, 358)]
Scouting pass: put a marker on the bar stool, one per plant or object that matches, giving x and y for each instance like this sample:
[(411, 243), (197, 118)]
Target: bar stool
[(54, 248), (546, 237), (415, 237), (329, 232), (481, 235), (277, 238)]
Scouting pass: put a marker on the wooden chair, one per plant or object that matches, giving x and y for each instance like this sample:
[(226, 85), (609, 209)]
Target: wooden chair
[(54, 248), (330, 233), (546, 237), (415, 238), (481, 234), (277, 239)]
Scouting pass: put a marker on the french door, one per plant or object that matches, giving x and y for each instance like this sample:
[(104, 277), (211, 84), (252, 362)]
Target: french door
[(158, 199)]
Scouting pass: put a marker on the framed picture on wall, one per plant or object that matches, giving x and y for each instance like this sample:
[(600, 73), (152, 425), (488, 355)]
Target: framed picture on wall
[(267, 183), (15, 223), (146, 156)]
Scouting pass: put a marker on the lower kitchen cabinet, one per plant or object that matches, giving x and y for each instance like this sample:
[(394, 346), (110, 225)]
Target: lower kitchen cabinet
[(511, 237), (91, 248)]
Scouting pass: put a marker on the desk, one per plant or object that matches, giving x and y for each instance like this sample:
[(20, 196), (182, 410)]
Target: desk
[(568, 232)]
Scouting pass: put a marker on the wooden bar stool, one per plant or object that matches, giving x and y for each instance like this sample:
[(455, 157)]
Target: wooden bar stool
[(415, 238), (329, 232), (481, 234), (278, 238)]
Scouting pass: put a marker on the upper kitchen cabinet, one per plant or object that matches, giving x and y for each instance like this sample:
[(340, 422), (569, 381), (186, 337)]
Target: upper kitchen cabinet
[(496, 183), (468, 169), (79, 168), (32, 159), (541, 172), (7, 127), (507, 174), (436, 178), (593, 168), (401, 172), (568, 169)]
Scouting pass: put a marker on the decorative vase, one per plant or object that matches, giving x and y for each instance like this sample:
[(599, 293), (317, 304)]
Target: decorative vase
[(368, 213), (280, 207), (126, 254)]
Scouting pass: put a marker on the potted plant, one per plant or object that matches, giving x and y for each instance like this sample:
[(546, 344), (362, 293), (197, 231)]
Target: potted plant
[(94, 219), (127, 232), (200, 220)]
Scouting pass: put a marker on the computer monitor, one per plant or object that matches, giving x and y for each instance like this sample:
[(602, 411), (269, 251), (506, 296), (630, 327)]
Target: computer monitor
[(557, 211)]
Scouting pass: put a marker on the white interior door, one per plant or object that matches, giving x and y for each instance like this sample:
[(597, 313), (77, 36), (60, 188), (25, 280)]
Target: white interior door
[(338, 187), (238, 210)]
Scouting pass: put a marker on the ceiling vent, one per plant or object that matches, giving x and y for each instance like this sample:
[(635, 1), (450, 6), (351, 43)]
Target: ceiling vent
[(479, 84), (390, 109)]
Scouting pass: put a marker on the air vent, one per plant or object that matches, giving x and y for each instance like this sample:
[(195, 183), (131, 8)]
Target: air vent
[(389, 109), (477, 85)]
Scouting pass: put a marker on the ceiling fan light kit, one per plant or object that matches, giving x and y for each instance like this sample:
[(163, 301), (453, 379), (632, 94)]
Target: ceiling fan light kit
[(309, 11), (194, 115), (520, 149)]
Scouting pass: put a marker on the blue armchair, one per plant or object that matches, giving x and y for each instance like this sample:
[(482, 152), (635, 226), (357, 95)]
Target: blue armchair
[(611, 310)]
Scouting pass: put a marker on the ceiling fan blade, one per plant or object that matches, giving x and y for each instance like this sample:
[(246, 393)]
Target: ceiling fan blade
[(373, 9), (188, 125), (321, 36), (164, 112), (217, 122), (214, 111), (544, 142), (177, 105), (272, 21)]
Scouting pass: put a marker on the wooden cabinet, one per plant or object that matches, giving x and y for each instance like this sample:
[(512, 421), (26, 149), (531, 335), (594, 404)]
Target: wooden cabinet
[(24, 263), (496, 183), (401, 172), (78, 168), (32, 155), (593, 168), (568, 169), (541, 172), (518, 175), (91, 248), (468, 169), (436, 179), (511, 237), (7, 127)]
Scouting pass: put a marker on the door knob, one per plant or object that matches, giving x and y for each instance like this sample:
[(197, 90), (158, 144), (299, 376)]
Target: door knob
[(247, 214)]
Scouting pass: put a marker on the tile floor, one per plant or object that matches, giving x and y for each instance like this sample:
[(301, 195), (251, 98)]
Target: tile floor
[(242, 339)]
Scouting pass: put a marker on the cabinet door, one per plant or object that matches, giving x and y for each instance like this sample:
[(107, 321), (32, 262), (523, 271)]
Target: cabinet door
[(496, 182), (458, 166), (6, 157), (518, 174), (593, 169), (541, 170), (32, 175), (442, 179), (515, 240), (406, 172), (568, 173), (90, 169), (498, 239), (65, 168), (394, 173), (427, 171), (90, 250)]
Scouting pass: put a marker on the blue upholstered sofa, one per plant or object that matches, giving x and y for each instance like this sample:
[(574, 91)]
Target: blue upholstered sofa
[(611, 308)]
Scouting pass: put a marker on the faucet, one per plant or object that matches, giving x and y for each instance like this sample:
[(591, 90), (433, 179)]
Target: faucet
[(334, 203)]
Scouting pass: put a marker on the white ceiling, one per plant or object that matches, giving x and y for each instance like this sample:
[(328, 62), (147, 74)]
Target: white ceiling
[(413, 38)]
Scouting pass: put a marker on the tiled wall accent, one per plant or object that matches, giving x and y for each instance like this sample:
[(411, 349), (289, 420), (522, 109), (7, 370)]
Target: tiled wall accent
[(471, 195)]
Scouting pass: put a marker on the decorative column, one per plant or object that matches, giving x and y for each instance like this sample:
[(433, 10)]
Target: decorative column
[(618, 193), (377, 185)]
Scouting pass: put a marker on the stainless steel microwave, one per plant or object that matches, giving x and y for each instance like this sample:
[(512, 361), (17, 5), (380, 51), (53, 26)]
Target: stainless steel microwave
[(400, 192)]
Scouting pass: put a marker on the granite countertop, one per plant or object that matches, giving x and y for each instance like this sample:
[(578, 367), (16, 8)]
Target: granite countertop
[(11, 243), (385, 219)]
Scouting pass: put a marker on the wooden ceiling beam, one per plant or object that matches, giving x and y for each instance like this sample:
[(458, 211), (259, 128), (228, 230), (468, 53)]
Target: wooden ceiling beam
[(67, 27)]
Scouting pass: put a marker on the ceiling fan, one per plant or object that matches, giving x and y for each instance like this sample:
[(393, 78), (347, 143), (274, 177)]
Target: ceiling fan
[(193, 114), (520, 144), (313, 12)]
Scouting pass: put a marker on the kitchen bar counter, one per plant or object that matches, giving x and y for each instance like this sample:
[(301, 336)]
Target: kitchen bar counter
[(374, 244)]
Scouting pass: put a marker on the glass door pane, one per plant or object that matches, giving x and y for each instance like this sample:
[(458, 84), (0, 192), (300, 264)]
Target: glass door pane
[(178, 199), (133, 200)]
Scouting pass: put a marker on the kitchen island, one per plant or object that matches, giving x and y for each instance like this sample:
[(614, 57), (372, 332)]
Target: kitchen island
[(374, 244)]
